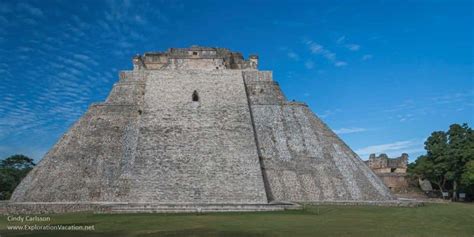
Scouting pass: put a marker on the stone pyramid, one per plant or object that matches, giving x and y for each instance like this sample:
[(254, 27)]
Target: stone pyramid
[(199, 125)]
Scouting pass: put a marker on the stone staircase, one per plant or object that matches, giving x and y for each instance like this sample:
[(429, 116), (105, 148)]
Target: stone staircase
[(196, 208)]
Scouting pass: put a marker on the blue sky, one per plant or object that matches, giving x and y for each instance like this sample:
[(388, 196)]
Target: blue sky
[(382, 74)]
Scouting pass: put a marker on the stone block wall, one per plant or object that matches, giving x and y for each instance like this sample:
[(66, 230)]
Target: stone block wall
[(194, 57), (150, 142), (384, 164), (302, 159), (196, 151), (395, 181), (86, 164), (392, 171), (177, 134)]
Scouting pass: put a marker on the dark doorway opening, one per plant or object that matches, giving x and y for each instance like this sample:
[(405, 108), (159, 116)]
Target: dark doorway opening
[(195, 96)]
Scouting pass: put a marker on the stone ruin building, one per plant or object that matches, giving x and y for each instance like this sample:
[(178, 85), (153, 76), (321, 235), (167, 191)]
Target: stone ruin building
[(194, 127), (392, 171)]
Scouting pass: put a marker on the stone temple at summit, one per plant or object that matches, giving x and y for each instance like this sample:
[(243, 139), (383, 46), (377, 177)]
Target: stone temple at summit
[(199, 125)]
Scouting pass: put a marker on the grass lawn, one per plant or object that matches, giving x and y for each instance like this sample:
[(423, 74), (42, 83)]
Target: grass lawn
[(454, 219)]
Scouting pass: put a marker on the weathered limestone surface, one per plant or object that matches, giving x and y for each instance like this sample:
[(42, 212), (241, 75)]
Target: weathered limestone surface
[(199, 125), (384, 164), (88, 162), (302, 159), (192, 151)]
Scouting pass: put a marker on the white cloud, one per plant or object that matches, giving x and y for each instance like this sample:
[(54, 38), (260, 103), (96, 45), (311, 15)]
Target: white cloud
[(328, 113), (293, 55), (25, 49), (450, 98), (140, 20), (124, 44), (81, 57), (407, 110), (318, 49), (340, 64), (405, 117), (349, 130), (29, 21), (367, 57), (393, 149), (350, 46), (30, 9), (57, 89), (341, 39), (353, 47)]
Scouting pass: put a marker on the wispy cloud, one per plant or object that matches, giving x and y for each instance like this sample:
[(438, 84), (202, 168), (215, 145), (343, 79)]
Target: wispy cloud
[(340, 64), (353, 47), (65, 72), (341, 40), (290, 53), (349, 130), (34, 11), (367, 57), (140, 20), (329, 112), (453, 97), (318, 49), (293, 55), (309, 64), (405, 117), (410, 110), (350, 46), (393, 149)]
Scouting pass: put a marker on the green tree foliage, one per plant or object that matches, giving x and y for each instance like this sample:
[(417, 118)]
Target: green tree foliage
[(449, 159), (12, 170), (467, 178)]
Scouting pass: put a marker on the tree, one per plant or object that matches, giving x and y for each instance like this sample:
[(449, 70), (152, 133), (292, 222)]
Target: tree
[(426, 168), (448, 158), (467, 177), (12, 170), (433, 165), (461, 152)]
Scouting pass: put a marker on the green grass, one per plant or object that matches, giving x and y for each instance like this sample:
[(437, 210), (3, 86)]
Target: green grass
[(454, 219)]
